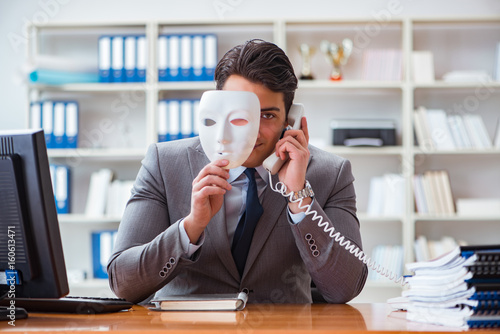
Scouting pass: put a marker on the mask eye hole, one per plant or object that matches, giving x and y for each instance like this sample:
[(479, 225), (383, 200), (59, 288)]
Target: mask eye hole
[(239, 122), (208, 122)]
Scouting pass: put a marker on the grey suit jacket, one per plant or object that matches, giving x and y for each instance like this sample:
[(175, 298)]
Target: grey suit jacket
[(148, 256)]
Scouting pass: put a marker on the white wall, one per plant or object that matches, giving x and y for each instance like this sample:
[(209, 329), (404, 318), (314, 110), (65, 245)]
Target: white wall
[(15, 14)]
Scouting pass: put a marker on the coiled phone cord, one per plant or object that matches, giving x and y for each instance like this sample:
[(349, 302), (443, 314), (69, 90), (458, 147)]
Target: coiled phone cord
[(336, 236)]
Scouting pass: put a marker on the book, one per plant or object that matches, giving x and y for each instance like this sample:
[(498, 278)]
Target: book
[(433, 193), (422, 129), (203, 302), (422, 66), (386, 195), (439, 130), (98, 192), (496, 138), (203, 317)]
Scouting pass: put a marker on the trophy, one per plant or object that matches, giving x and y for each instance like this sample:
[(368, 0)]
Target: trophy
[(337, 55), (306, 52)]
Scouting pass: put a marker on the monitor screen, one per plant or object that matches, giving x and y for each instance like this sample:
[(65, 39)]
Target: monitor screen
[(31, 255)]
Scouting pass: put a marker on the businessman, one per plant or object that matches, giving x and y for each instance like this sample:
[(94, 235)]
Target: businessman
[(182, 228)]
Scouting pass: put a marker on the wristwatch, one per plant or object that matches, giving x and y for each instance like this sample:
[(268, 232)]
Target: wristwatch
[(304, 193)]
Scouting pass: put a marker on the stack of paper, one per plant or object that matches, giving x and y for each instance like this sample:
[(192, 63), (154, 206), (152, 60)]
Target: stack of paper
[(426, 250), (458, 289)]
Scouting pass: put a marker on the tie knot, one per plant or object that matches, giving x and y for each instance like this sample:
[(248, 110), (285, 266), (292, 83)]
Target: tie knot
[(250, 173)]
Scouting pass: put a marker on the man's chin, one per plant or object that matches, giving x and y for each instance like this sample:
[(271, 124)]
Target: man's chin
[(251, 164), (255, 160)]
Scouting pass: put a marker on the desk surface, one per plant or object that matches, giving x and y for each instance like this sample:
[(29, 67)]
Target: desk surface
[(256, 318)]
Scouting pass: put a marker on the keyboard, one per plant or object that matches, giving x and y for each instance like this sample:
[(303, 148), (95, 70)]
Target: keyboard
[(72, 304)]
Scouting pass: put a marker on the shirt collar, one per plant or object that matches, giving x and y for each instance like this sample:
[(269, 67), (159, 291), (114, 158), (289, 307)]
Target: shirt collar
[(234, 173)]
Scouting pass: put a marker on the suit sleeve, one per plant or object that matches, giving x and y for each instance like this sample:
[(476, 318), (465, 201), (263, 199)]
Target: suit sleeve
[(338, 274), (148, 250)]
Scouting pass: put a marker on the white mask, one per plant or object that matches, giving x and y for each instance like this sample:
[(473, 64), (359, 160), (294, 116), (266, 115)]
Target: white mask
[(229, 125)]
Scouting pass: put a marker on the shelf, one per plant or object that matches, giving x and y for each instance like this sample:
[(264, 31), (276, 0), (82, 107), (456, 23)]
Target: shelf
[(363, 217), (92, 87), (343, 150), (84, 219), (189, 85), (444, 85), (349, 84), (458, 152), (455, 217), (96, 153), (382, 284)]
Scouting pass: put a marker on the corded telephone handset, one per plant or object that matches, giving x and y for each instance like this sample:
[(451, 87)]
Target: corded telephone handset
[(273, 163)]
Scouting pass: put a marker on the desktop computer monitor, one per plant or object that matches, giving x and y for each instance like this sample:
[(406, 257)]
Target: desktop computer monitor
[(32, 268), (31, 255)]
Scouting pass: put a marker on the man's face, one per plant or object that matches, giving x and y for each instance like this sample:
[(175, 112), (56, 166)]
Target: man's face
[(272, 117), (229, 125)]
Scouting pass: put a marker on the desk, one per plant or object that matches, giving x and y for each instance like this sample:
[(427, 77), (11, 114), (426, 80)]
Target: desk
[(256, 318)]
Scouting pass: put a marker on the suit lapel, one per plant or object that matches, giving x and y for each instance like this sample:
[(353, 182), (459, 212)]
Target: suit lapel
[(216, 230)]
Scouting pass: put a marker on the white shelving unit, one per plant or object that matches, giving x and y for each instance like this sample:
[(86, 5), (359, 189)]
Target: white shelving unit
[(118, 121)]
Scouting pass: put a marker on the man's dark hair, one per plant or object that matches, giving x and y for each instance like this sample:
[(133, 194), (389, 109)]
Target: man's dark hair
[(259, 62)]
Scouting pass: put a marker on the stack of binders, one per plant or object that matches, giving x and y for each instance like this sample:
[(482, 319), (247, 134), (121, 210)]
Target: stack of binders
[(177, 119), (459, 289), (122, 58), (59, 120), (187, 57)]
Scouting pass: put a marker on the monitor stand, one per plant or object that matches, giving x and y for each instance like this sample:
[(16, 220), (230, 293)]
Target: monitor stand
[(9, 314)]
